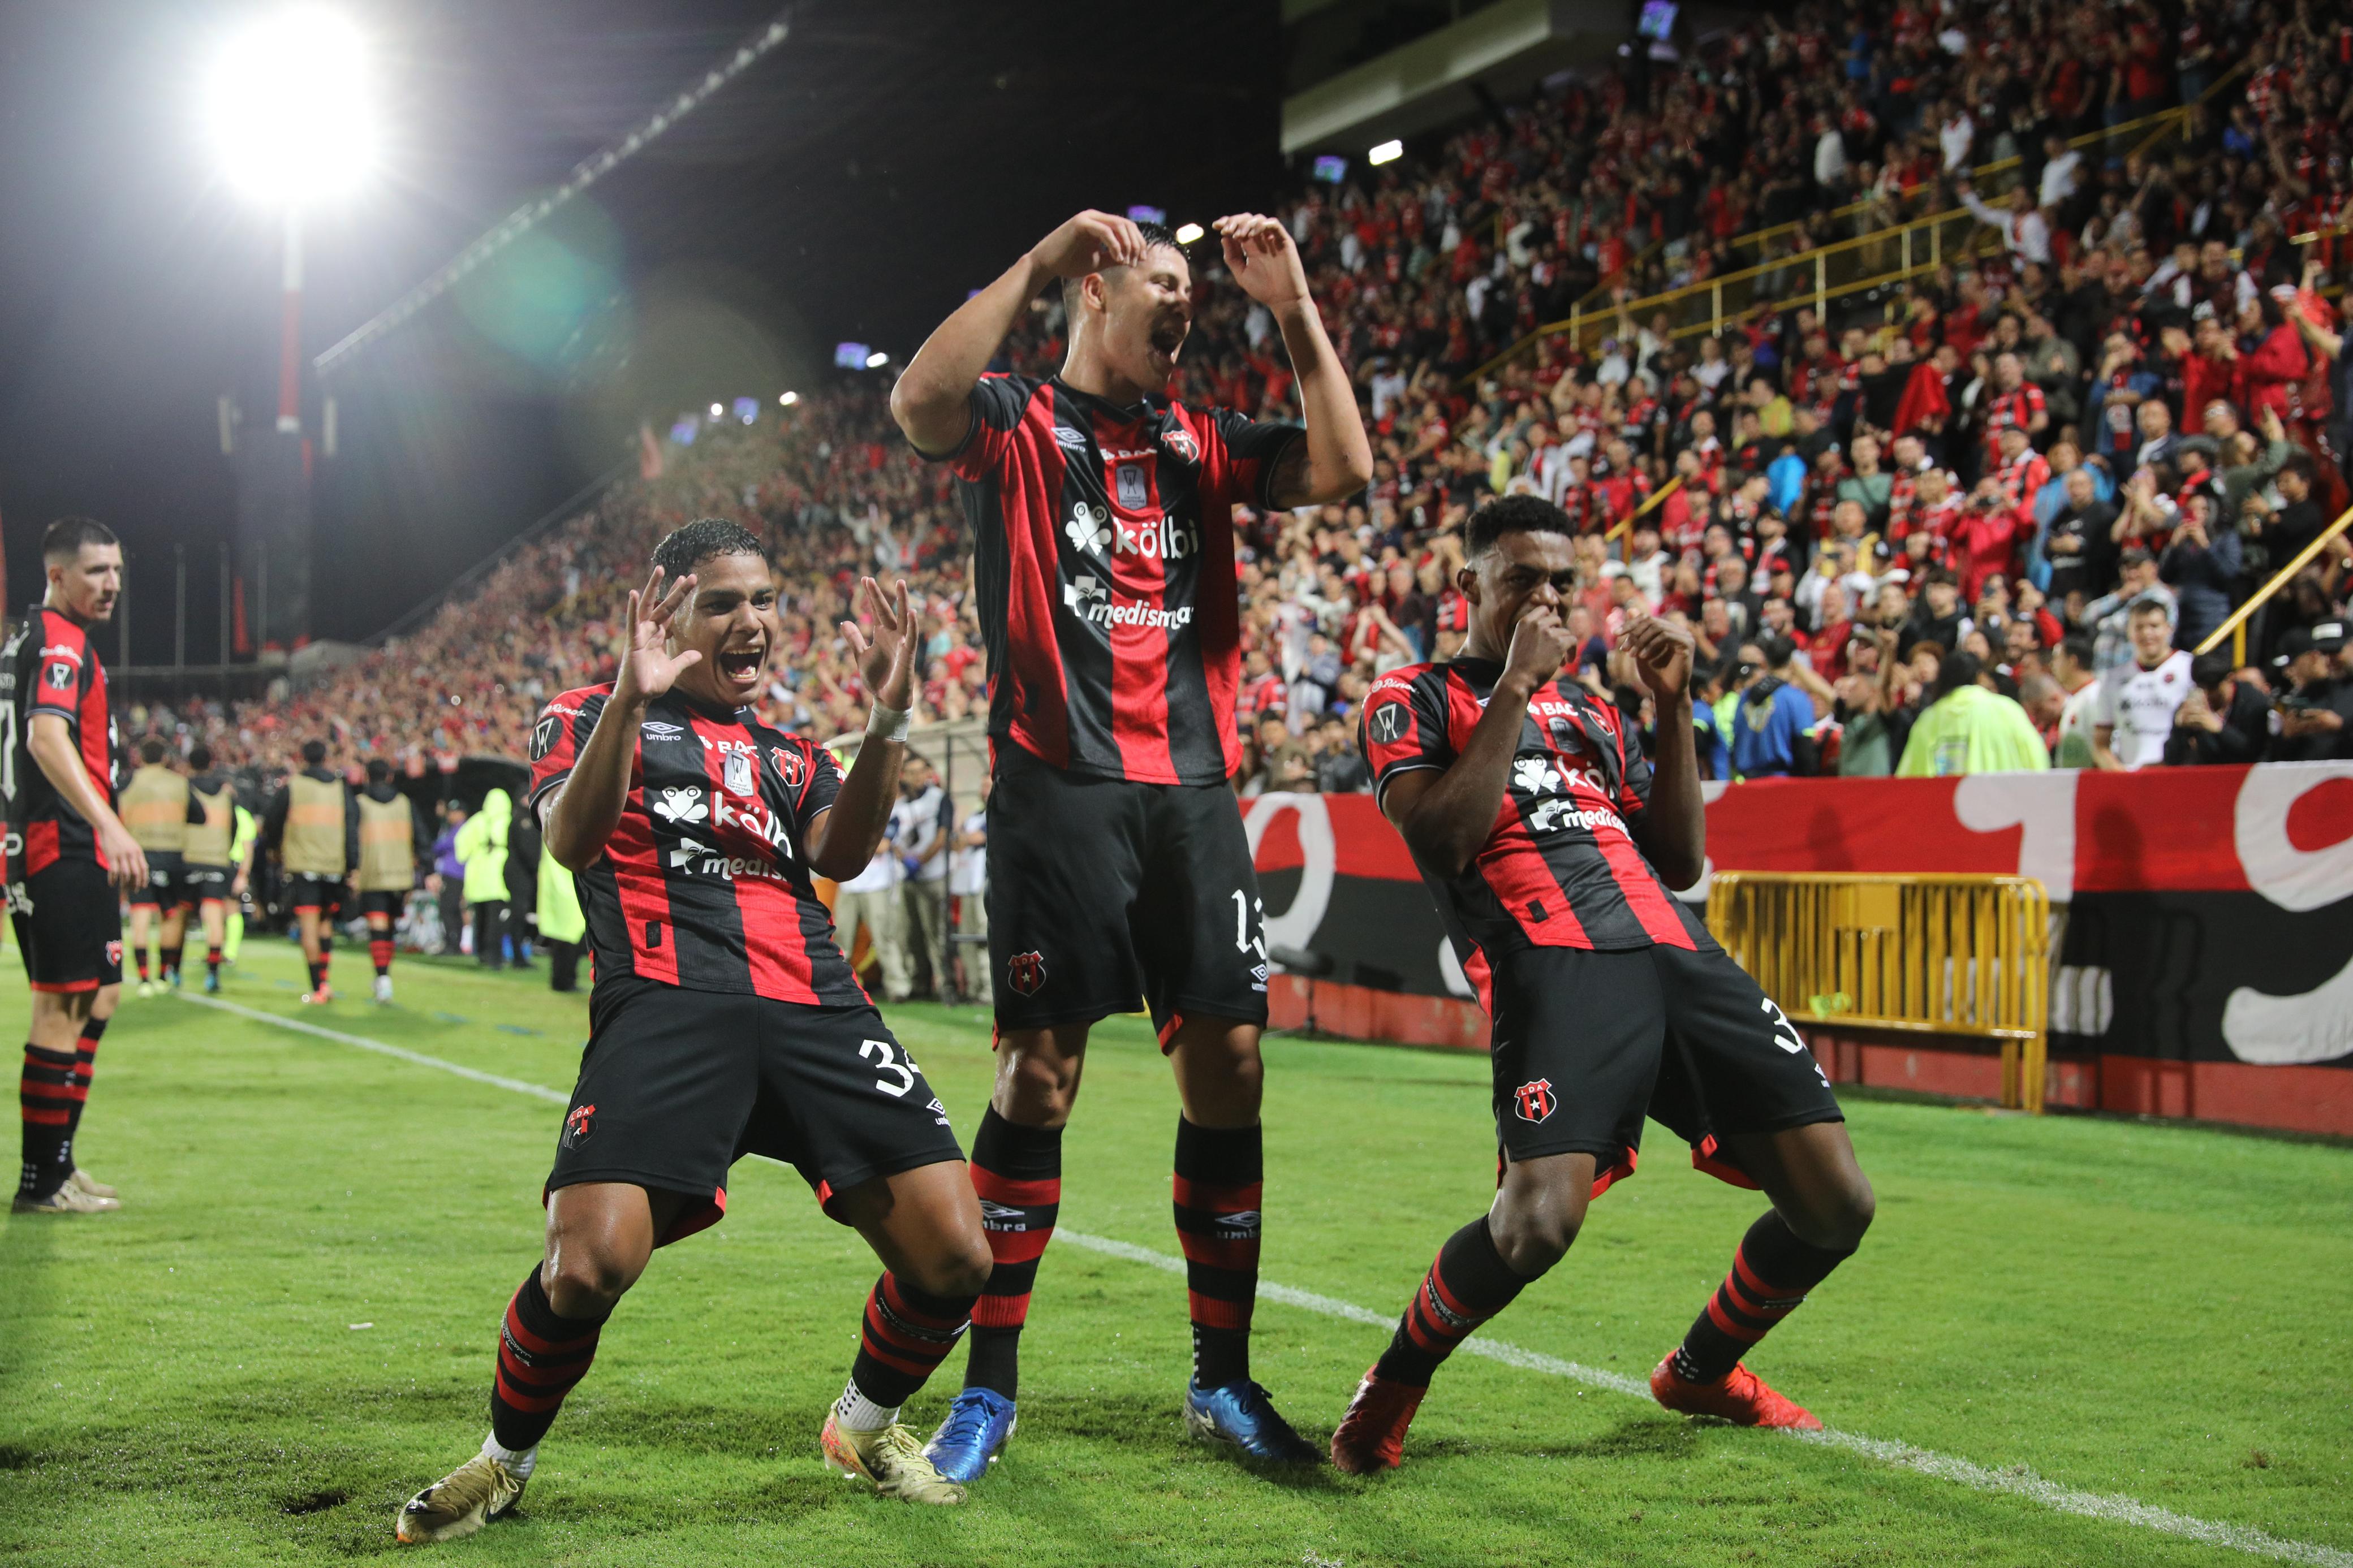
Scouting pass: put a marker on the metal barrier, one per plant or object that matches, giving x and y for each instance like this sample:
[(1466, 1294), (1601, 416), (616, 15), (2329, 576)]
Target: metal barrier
[(1968, 955)]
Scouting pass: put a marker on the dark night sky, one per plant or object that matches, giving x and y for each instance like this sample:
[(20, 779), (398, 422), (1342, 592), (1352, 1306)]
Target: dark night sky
[(886, 158)]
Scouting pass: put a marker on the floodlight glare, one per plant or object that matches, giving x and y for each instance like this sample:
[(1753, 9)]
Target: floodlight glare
[(292, 108), (789, 398), (1387, 153), (1186, 232), (877, 360), (716, 410)]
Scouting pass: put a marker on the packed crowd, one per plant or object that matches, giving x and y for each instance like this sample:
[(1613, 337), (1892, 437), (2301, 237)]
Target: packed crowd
[(2138, 397)]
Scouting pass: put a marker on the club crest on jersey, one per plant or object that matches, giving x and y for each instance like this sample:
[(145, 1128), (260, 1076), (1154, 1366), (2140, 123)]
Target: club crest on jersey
[(1533, 1101), (736, 772), (1388, 724), (1130, 485), (1180, 444), (579, 1122), (114, 953), (683, 804), (789, 765), (1026, 972)]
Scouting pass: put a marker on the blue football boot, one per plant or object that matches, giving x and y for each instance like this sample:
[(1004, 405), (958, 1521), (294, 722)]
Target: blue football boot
[(1242, 1415), (980, 1423)]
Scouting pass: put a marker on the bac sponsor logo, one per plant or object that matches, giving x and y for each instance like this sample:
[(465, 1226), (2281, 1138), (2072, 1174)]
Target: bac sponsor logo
[(1533, 1101), (1089, 599), (1026, 972)]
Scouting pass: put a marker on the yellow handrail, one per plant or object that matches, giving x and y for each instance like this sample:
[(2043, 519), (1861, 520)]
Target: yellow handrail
[(2236, 626)]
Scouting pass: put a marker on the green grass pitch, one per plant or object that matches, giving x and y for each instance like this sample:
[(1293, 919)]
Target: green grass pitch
[(289, 1328)]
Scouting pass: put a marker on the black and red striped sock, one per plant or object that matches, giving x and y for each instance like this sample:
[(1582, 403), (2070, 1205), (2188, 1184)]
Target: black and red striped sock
[(142, 957), (84, 1069), (317, 973), (380, 953), (1468, 1283), (1016, 1171), (212, 958), (907, 1334), (170, 966), (1771, 1273), (541, 1356), (1218, 1187), (45, 1100)]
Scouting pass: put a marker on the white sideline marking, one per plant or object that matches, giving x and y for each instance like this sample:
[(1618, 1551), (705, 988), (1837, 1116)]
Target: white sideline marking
[(2014, 1481)]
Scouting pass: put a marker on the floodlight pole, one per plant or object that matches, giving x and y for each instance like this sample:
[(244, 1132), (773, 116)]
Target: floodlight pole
[(290, 342)]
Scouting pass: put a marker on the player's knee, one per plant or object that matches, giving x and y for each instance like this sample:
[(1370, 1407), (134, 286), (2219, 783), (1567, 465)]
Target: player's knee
[(1836, 1218), (1534, 1232), (957, 1271), (1038, 1085), (584, 1283)]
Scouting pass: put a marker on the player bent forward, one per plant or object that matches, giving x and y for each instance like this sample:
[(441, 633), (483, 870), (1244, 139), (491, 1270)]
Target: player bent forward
[(1551, 846), (725, 1020)]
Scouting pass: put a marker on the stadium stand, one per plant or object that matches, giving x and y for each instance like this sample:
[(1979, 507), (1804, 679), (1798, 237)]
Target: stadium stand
[(2124, 383)]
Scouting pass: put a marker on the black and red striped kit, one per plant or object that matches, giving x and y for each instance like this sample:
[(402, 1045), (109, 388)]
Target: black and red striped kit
[(725, 1020), (67, 917), (1609, 1000)]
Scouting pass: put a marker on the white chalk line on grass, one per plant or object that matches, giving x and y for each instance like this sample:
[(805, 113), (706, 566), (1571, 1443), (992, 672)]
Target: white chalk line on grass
[(2013, 1481)]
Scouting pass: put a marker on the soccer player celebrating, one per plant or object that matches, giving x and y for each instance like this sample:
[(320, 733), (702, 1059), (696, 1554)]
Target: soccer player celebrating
[(1550, 846), (1119, 874), (725, 1020), (386, 867), (67, 853), (313, 826)]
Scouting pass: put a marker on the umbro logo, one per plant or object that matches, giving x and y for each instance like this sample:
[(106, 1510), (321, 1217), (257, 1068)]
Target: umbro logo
[(661, 729), (1003, 1216), (1066, 436)]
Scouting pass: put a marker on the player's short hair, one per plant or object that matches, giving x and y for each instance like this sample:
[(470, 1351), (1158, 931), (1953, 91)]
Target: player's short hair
[(1512, 514), (150, 749), (315, 752), (686, 548), (379, 771), (2150, 604), (1155, 235), (65, 537), (200, 757), (2077, 647)]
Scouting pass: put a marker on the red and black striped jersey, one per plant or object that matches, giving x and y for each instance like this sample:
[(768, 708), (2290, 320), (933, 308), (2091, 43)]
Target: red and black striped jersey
[(1559, 868), (1103, 564), (705, 882), (52, 667)]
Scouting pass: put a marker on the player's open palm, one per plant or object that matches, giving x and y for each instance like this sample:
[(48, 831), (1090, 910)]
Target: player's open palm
[(648, 668), (1260, 255), (1540, 646), (886, 659)]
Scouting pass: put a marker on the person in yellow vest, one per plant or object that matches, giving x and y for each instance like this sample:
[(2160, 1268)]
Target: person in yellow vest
[(157, 809), (387, 865), (312, 826), (211, 860), (482, 847), (561, 925), (240, 852)]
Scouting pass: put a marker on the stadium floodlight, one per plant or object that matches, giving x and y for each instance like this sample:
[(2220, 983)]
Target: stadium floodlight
[(1186, 232), (1387, 153), (788, 399), (291, 107), (717, 409), (877, 360)]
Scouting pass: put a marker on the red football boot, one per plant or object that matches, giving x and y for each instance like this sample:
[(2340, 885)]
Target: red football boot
[(1741, 1398), (1371, 1436)]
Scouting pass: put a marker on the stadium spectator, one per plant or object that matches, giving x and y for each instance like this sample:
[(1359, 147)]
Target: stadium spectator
[(1968, 727), (482, 849), (2316, 714), (2133, 714)]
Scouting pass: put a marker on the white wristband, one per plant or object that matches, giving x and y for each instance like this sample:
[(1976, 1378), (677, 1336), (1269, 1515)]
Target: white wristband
[(887, 724)]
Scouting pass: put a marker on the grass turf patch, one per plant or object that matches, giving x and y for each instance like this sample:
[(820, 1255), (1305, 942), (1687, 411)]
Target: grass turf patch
[(2125, 1308)]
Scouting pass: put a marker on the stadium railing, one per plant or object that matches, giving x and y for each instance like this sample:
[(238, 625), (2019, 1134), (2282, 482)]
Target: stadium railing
[(1960, 955), (2235, 627)]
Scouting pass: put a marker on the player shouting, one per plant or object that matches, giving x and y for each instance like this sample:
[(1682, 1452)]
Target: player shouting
[(725, 1020), (1119, 874), (66, 853), (1550, 846)]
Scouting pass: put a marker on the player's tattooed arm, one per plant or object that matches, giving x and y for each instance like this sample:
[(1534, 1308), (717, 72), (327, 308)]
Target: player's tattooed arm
[(588, 808), (932, 398), (1335, 459), (841, 839)]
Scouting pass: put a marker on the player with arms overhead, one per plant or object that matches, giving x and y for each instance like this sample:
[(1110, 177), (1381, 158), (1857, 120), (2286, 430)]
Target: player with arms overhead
[(1550, 846), (725, 1020), (1118, 875), (67, 853)]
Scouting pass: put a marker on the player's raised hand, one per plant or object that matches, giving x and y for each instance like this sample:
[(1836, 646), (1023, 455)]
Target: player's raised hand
[(1089, 243), (1663, 655), (648, 668), (886, 660), (1262, 258), (1540, 646)]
